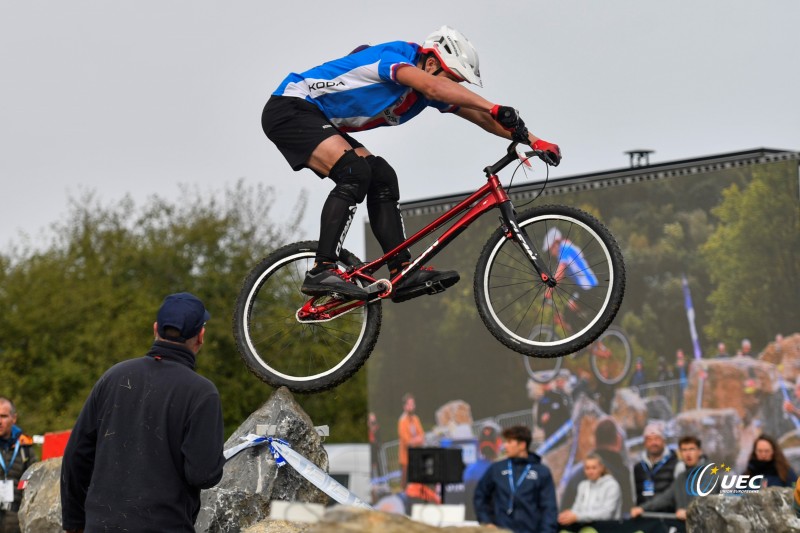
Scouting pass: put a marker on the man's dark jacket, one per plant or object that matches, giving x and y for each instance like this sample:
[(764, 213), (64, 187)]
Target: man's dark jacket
[(534, 509), (149, 437), (662, 478)]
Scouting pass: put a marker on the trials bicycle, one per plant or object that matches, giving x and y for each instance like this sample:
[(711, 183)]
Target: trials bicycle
[(311, 344)]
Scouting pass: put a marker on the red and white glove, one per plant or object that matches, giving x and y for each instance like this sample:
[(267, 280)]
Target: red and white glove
[(548, 152)]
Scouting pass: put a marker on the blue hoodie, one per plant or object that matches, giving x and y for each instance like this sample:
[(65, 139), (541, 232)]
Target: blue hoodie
[(534, 507), (15, 433)]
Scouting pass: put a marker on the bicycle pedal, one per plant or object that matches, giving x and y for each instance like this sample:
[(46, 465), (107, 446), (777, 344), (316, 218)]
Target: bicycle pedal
[(434, 287)]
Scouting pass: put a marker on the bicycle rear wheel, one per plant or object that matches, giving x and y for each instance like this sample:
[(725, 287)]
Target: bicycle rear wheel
[(282, 351), (512, 300), (611, 356)]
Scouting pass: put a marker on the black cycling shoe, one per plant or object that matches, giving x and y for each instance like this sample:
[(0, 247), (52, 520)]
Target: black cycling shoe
[(426, 280), (327, 281)]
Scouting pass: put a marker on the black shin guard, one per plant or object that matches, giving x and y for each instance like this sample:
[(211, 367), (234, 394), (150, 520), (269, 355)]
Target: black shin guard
[(385, 218), (337, 214), (351, 174)]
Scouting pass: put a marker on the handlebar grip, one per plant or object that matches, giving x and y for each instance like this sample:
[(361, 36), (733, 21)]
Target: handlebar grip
[(532, 153)]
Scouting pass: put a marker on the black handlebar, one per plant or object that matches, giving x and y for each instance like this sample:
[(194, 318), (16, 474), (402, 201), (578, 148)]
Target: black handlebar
[(510, 157)]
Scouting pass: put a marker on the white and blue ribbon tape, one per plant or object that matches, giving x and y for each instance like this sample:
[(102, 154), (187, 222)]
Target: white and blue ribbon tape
[(283, 453), (279, 459)]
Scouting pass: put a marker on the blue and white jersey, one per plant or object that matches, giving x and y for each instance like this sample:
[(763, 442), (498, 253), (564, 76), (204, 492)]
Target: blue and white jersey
[(577, 267), (360, 91)]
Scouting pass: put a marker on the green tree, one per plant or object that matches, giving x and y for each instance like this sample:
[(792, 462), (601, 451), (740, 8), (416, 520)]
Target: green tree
[(88, 299), (753, 258)]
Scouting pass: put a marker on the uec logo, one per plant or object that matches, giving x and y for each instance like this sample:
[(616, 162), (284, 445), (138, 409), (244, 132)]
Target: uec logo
[(702, 481)]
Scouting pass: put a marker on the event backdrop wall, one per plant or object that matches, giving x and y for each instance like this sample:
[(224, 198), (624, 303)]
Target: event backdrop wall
[(720, 231)]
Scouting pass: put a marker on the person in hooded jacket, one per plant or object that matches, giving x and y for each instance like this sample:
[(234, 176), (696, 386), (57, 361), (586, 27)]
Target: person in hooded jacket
[(517, 493), (599, 497)]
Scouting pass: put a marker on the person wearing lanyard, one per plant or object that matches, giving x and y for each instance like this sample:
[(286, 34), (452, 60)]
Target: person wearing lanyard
[(517, 492), (15, 458), (658, 466)]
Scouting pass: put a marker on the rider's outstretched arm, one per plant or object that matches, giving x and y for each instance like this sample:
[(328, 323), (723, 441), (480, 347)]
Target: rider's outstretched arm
[(441, 89), (485, 121), (475, 108), (550, 153)]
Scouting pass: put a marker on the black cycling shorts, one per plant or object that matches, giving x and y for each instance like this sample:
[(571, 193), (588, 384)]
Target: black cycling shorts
[(297, 127)]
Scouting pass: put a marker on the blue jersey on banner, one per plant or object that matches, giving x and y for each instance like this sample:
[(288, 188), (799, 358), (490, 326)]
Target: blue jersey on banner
[(360, 91), (577, 267)]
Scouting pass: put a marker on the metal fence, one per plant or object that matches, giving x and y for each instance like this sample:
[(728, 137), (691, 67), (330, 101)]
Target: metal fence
[(671, 390)]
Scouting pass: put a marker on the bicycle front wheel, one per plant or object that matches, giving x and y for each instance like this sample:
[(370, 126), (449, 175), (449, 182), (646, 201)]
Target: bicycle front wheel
[(513, 301), (282, 351)]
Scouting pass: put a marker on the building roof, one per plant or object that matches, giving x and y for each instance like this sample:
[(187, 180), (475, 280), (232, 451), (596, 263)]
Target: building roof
[(609, 178)]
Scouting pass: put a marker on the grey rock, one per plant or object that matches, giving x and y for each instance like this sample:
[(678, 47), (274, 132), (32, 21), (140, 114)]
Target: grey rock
[(767, 510), (629, 410), (40, 511), (277, 526), (658, 408), (338, 519), (251, 479)]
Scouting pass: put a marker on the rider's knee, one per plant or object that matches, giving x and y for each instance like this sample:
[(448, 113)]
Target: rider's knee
[(384, 186), (352, 175)]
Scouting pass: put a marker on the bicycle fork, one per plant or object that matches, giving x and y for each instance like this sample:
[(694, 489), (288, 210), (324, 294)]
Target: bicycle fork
[(512, 230)]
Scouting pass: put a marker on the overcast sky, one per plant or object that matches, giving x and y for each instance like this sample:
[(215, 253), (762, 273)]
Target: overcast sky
[(139, 97)]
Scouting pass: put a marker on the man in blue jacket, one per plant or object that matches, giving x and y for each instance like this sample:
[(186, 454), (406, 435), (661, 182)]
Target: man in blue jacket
[(517, 493)]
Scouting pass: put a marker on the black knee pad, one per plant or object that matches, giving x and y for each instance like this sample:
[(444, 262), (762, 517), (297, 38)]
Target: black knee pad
[(384, 186), (352, 174)]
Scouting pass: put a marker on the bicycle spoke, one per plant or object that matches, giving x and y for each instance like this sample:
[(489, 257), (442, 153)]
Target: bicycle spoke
[(574, 252)]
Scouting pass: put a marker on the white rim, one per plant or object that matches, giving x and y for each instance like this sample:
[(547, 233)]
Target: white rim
[(557, 342), (249, 341)]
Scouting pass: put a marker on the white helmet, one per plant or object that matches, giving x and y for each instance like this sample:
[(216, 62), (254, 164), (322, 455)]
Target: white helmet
[(553, 235), (455, 53)]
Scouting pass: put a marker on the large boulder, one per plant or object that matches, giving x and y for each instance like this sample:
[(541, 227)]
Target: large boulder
[(356, 520), (658, 407), (629, 410), (455, 412), (741, 383), (40, 511), (353, 520), (251, 479), (766, 510), (784, 353), (720, 431), (454, 421)]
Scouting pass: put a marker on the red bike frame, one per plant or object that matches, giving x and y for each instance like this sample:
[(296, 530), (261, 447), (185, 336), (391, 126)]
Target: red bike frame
[(488, 197)]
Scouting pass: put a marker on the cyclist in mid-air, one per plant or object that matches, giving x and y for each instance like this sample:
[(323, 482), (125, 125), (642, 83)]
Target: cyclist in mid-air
[(571, 264), (309, 118)]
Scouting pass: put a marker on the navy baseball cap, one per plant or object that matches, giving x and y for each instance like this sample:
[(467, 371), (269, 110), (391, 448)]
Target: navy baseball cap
[(184, 312)]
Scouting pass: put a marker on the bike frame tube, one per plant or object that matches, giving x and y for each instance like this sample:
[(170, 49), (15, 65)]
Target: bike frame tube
[(488, 197)]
